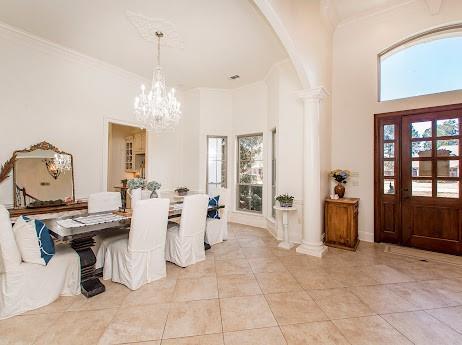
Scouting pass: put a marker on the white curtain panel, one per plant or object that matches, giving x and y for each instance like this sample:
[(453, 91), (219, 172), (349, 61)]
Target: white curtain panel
[(185, 243), (140, 258), (25, 286)]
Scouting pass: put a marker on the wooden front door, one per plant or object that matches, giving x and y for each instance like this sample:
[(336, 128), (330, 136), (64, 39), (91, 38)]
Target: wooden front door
[(418, 180)]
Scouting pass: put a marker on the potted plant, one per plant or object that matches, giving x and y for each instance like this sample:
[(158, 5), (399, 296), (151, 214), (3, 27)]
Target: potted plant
[(285, 200), (182, 191), (341, 177), (135, 186), (153, 186), (124, 183)]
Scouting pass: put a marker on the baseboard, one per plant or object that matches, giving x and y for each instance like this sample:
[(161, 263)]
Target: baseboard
[(258, 221), (366, 236)]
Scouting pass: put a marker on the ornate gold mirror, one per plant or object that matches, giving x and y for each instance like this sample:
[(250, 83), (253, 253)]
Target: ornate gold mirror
[(43, 175)]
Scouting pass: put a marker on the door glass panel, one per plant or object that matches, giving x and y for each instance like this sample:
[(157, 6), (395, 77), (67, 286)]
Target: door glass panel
[(421, 129), (389, 150), (447, 189), (447, 127), (389, 168), (389, 186), (421, 149), (448, 168), (447, 148), (422, 188), (389, 132), (421, 169)]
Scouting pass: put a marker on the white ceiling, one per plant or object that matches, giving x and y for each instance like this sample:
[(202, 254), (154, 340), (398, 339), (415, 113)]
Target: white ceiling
[(221, 37)]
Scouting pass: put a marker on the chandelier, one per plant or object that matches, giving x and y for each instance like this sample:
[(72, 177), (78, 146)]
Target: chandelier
[(158, 109), (60, 163)]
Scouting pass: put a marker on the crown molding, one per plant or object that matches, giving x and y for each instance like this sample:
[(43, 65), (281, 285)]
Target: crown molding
[(314, 94), (11, 32), (373, 12)]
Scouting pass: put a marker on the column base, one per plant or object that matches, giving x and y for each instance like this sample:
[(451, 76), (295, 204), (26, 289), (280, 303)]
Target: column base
[(285, 245), (317, 250)]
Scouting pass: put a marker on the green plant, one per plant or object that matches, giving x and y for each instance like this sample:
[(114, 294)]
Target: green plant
[(285, 199), (136, 183), (153, 186)]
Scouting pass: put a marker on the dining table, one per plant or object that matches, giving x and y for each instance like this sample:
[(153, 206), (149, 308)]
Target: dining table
[(80, 230)]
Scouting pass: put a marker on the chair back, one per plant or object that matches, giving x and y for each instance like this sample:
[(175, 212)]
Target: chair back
[(149, 224), (194, 214), (10, 257), (104, 202)]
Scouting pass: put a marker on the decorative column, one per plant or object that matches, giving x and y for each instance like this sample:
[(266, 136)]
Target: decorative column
[(312, 243)]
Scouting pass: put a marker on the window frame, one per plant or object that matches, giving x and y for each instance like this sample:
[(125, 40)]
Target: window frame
[(238, 184), (407, 43), (274, 174), (224, 161)]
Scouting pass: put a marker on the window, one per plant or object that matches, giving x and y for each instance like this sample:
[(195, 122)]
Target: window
[(422, 65), (250, 173), (216, 163), (273, 172)]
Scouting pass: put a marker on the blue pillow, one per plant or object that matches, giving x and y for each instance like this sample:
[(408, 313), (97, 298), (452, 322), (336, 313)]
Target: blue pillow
[(214, 202), (45, 242)]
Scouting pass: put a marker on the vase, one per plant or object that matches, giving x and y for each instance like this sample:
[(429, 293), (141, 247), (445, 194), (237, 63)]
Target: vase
[(339, 190), (135, 195), (154, 194)]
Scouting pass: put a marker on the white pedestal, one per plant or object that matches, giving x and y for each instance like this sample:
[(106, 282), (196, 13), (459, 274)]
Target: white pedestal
[(285, 244)]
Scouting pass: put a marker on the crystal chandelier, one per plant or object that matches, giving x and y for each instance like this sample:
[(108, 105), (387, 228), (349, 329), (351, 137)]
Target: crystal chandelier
[(62, 162), (159, 109)]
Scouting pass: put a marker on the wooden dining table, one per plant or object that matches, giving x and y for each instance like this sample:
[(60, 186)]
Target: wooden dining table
[(81, 239)]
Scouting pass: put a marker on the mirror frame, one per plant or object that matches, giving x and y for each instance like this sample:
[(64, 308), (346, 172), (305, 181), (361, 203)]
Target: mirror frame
[(9, 165)]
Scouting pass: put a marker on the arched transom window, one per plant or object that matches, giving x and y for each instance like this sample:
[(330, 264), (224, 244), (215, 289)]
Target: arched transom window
[(425, 64)]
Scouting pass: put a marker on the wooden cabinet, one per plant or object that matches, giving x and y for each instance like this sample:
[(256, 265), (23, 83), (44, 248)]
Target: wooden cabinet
[(139, 142), (341, 223), (129, 154)]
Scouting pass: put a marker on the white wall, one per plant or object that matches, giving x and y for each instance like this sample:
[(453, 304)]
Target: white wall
[(354, 96), (289, 118), (51, 93)]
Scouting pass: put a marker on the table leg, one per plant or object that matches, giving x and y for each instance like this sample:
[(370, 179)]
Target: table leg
[(90, 284), (285, 224)]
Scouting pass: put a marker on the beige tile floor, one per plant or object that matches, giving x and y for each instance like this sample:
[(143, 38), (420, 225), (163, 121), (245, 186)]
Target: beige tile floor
[(249, 292)]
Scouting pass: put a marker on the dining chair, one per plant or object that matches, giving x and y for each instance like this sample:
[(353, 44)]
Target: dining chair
[(216, 230), (185, 242), (105, 202), (139, 258)]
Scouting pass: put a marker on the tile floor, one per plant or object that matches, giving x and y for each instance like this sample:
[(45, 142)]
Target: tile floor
[(249, 292)]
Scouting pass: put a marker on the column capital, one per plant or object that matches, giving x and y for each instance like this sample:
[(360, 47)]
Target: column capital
[(313, 94)]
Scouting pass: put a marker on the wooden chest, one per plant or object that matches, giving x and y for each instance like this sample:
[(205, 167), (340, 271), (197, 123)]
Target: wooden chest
[(341, 223)]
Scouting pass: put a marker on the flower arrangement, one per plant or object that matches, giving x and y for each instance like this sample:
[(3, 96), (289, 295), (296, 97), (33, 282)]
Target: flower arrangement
[(285, 200), (339, 175), (136, 183), (182, 190), (153, 186)]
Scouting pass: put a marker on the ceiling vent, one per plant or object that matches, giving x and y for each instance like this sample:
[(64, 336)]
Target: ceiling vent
[(234, 77)]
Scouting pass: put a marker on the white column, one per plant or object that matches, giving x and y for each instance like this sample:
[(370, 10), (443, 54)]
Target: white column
[(312, 208)]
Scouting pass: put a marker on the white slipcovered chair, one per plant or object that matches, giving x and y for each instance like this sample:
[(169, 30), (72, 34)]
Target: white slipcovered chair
[(25, 286), (105, 202), (140, 258), (185, 242), (216, 230)]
